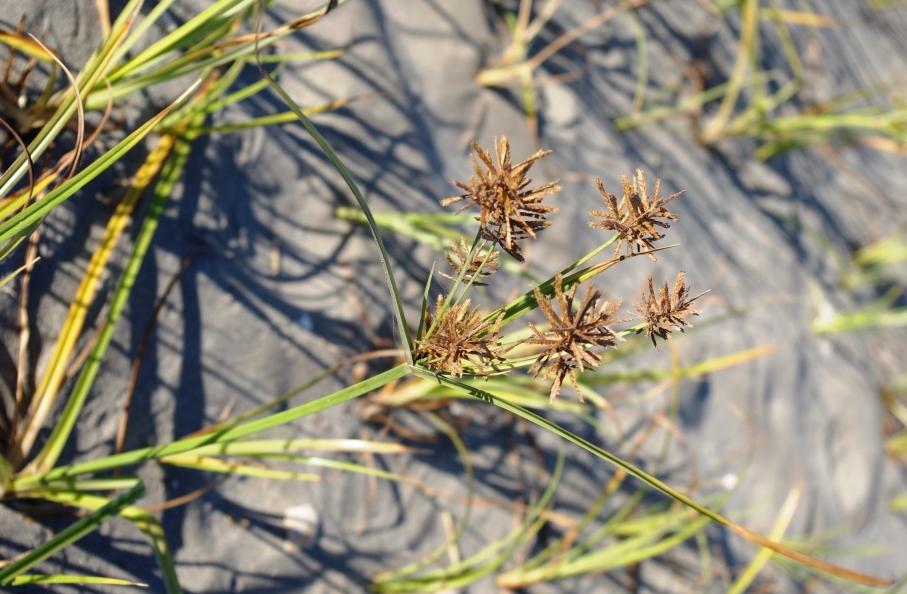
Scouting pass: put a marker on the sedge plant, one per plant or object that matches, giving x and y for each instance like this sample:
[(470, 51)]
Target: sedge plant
[(455, 344)]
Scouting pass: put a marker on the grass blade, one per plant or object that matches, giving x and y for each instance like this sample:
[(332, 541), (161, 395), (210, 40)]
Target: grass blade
[(231, 433), (143, 520), (209, 464), (70, 535), (80, 580)]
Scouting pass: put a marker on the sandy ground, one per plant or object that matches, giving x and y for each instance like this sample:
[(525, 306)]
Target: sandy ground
[(276, 287)]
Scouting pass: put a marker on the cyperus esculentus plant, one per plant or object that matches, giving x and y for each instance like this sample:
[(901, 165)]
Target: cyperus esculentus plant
[(571, 340), (458, 346)]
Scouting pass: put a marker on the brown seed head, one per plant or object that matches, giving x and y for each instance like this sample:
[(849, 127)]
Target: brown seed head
[(509, 210), (666, 310), (481, 265), (638, 217), (575, 336), (461, 336)]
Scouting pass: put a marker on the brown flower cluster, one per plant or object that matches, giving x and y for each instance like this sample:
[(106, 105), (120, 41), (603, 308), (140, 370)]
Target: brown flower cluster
[(575, 334), (666, 310), (509, 209), (638, 217), (460, 336), (478, 266), (577, 331)]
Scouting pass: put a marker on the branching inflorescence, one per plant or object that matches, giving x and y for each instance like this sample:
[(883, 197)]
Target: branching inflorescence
[(459, 340)]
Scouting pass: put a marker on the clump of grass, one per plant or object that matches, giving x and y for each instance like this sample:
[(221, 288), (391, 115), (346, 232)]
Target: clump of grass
[(206, 45), (769, 106), (523, 56), (875, 267)]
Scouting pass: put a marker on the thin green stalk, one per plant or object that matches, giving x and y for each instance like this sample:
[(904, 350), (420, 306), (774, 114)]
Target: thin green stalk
[(399, 314), (32, 579), (426, 302)]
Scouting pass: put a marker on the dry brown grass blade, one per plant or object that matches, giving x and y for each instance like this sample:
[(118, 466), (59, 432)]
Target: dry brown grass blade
[(80, 107), (22, 365), (824, 566), (572, 35), (20, 42)]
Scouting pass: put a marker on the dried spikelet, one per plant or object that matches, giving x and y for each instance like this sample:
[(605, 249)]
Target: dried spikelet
[(480, 266), (638, 217), (666, 311), (575, 336), (509, 210), (462, 335)]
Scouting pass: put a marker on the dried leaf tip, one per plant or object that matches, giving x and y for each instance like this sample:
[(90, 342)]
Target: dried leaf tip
[(638, 217), (665, 311), (475, 267), (509, 209), (462, 341), (575, 334)]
